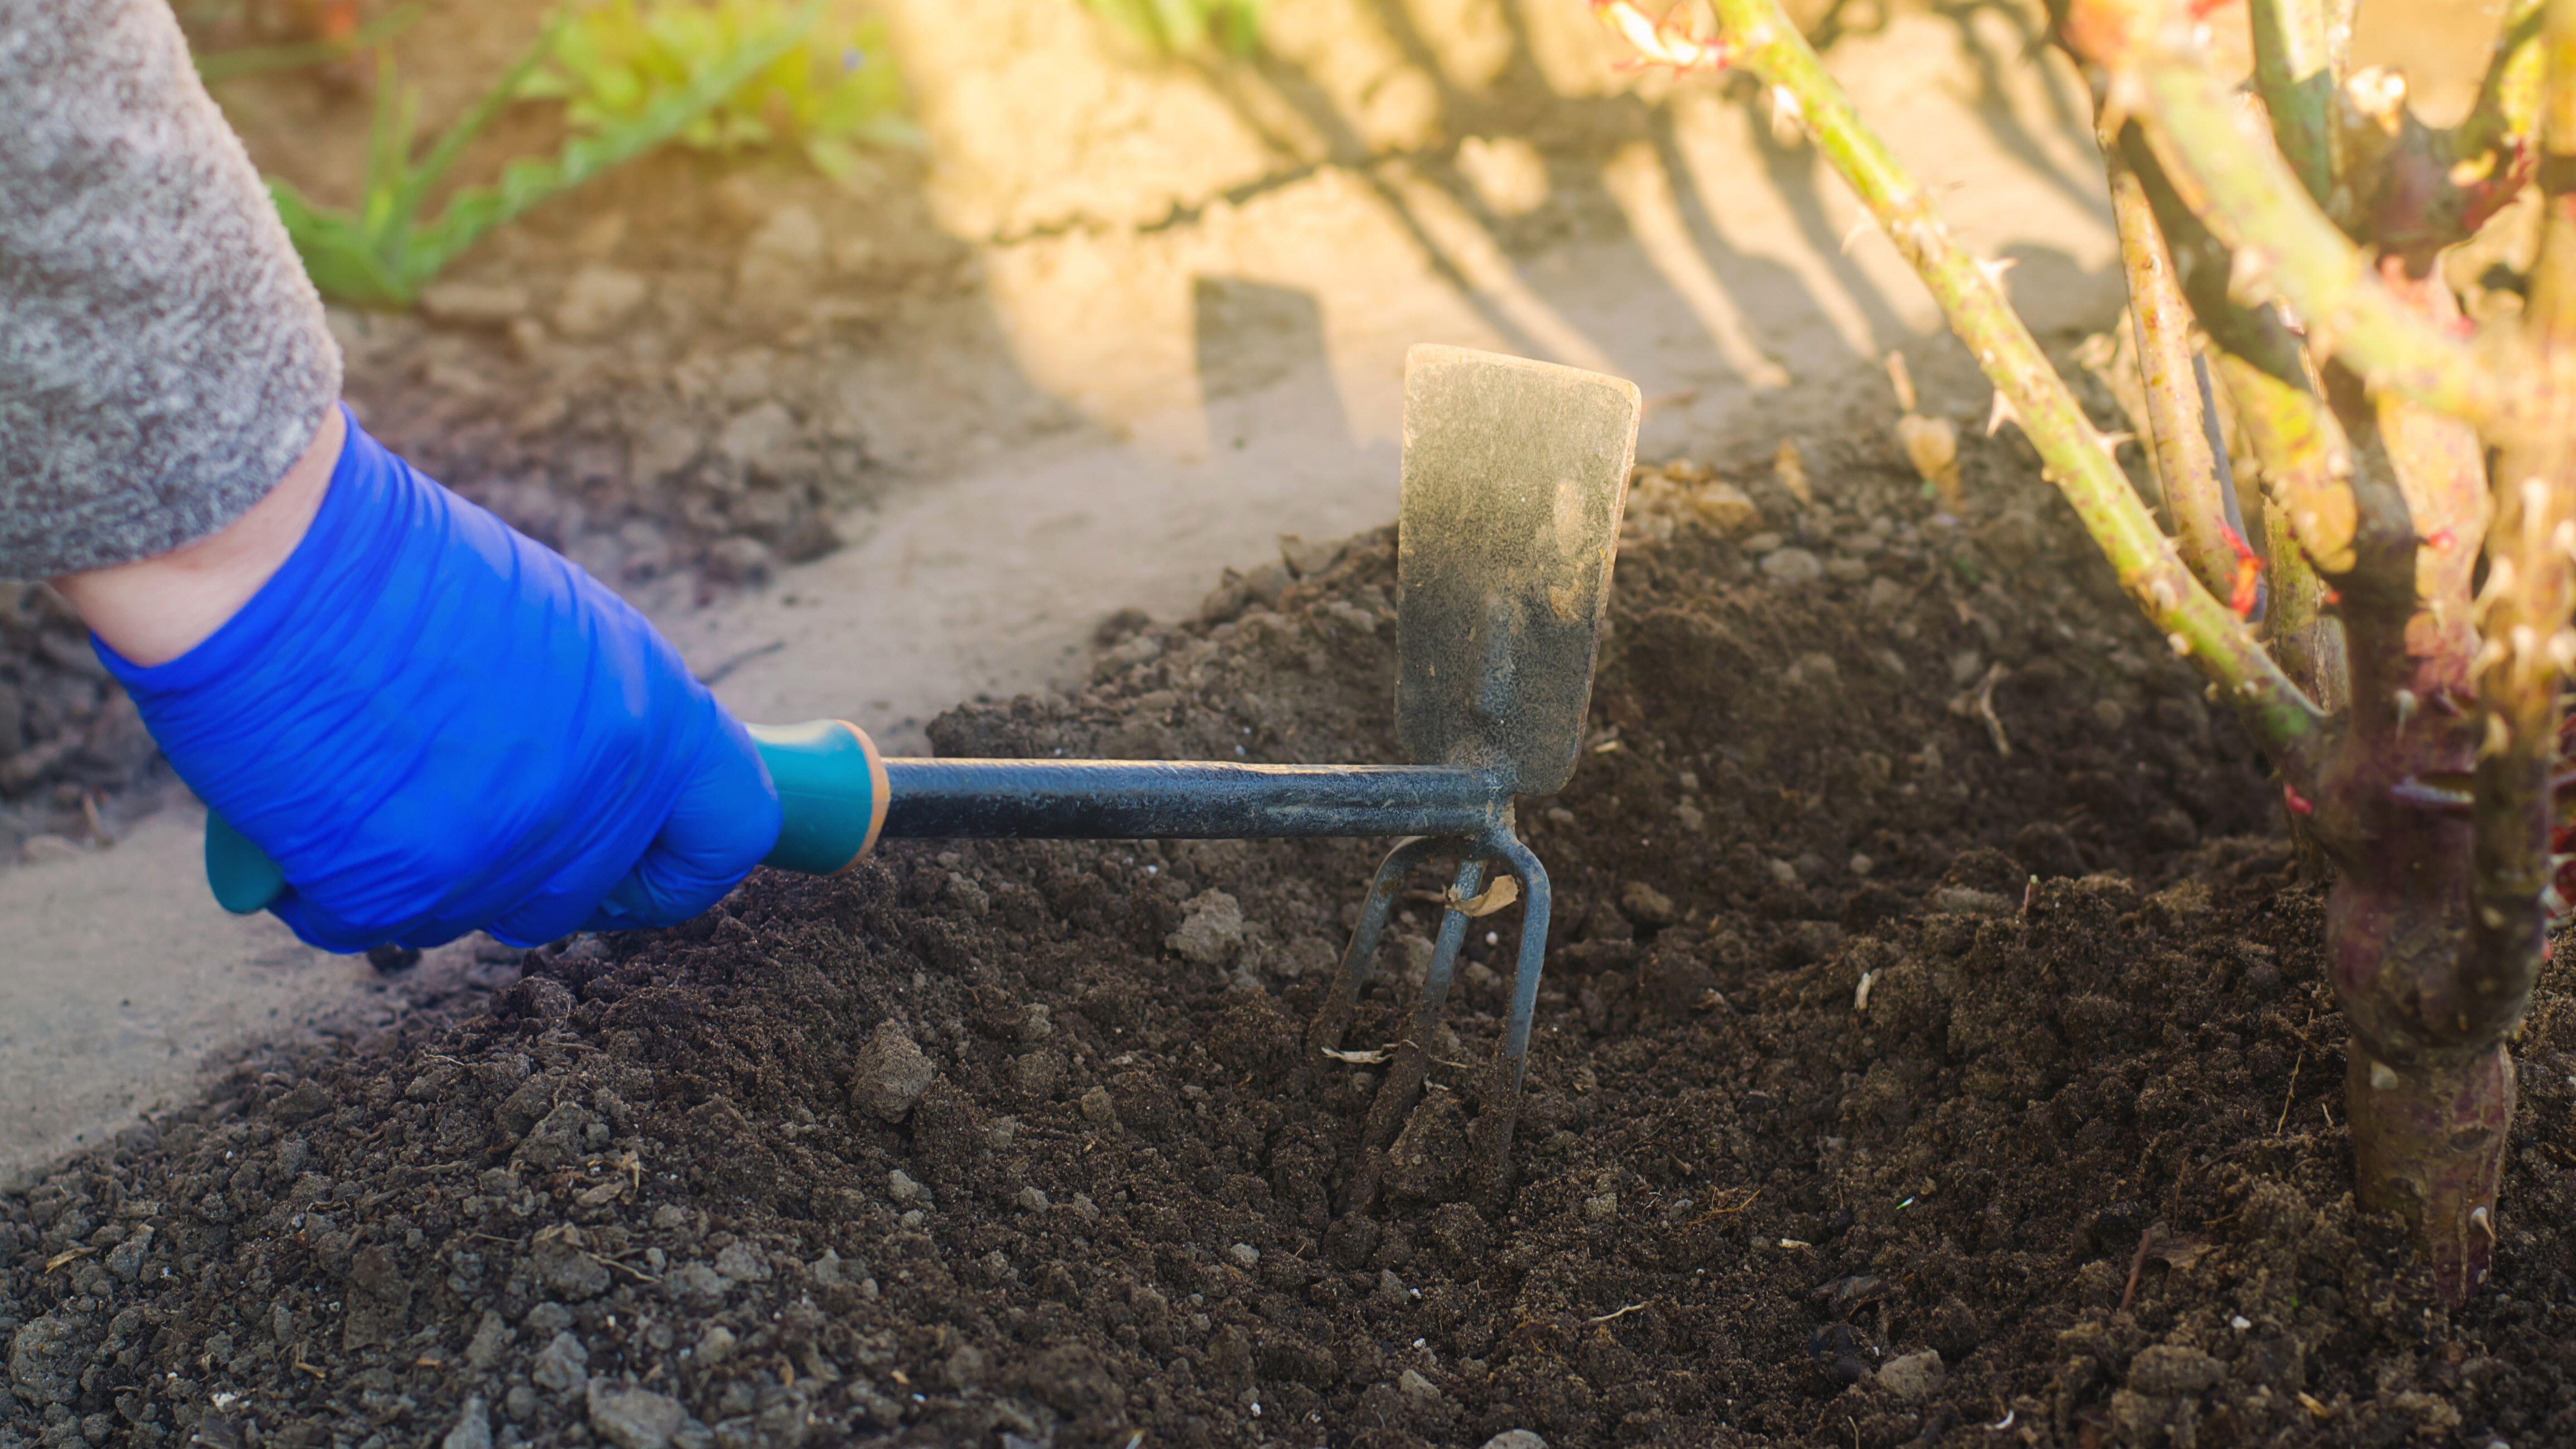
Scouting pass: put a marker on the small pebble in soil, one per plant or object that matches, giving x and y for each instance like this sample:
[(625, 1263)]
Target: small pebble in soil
[(473, 1427), (1913, 1375), (892, 1074), (1792, 567), (1645, 905), (1211, 929), (631, 1417)]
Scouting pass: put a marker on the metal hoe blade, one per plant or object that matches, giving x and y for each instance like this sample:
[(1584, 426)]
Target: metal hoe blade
[(1514, 476), (1514, 473)]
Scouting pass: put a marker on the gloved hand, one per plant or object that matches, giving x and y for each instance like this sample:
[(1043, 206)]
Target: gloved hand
[(434, 725)]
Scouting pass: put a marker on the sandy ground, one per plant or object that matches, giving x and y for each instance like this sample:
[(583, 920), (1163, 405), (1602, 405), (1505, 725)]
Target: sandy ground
[(1224, 300)]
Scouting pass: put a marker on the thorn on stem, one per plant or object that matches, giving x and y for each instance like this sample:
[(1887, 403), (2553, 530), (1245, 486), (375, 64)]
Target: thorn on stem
[(2499, 737), (1666, 42), (2298, 803), (2423, 795)]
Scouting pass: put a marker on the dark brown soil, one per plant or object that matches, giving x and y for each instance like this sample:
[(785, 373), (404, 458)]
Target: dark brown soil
[(1017, 1143)]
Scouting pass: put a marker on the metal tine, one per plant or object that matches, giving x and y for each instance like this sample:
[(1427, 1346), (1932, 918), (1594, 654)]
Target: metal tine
[(1444, 950), (1360, 955), (1498, 1111), (1521, 862), (1411, 1065)]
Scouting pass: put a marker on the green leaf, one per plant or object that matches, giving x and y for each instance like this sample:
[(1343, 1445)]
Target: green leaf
[(832, 156), (747, 69)]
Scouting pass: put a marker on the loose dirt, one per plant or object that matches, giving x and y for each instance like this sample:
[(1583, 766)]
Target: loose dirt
[(1161, 368), (1888, 1086)]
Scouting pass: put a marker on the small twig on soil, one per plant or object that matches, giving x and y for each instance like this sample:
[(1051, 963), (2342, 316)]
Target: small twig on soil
[(2292, 1095), (67, 1255), (1986, 708), (716, 676), (1722, 1212), (1622, 1313), (2137, 1265), (638, 1274)]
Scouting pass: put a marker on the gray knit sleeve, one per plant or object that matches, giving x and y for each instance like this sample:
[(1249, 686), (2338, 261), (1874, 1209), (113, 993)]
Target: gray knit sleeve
[(163, 359)]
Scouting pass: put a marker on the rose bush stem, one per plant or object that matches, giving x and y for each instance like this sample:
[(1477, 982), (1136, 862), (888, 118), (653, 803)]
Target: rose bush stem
[(2529, 595), (2078, 458), (2506, 114), (2440, 469), (2430, 1118), (2292, 71), (2178, 431)]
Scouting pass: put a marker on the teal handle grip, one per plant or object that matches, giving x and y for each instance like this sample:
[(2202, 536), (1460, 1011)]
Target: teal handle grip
[(244, 878), (831, 792)]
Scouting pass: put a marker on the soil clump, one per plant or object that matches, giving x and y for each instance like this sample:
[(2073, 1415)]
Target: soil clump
[(1934, 1039)]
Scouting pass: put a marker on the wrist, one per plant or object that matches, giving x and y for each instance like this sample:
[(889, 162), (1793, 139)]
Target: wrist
[(155, 609)]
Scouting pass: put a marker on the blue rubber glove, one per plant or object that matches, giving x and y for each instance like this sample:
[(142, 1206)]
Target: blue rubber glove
[(434, 725)]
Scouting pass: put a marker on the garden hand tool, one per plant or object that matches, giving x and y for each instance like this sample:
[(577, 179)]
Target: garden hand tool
[(1513, 476)]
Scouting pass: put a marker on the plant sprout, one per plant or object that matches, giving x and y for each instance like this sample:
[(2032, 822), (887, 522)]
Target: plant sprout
[(833, 91), (1177, 27), (386, 249), (2418, 529)]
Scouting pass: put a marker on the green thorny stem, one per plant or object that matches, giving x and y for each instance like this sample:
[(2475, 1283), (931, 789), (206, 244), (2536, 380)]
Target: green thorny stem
[(2292, 69), (2078, 458), (2297, 445), (2177, 428)]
